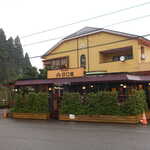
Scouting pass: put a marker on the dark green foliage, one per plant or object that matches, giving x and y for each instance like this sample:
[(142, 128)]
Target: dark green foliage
[(4, 93), (27, 61), (136, 103), (30, 72), (103, 103), (31, 103), (5, 96), (43, 72), (13, 63), (71, 103), (2, 36)]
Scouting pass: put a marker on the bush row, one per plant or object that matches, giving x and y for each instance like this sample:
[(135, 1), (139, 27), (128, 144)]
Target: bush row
[(31, 103), (103, 103)]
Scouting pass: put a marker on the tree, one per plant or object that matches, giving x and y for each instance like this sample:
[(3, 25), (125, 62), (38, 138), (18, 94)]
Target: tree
[(27, 62), (13, 64), (30, 73), (19, 55), (2, 36), (43, 73)]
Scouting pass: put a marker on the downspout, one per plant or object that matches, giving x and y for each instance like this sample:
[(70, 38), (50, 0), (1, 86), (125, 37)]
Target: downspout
[(77, 54), (88, 54)]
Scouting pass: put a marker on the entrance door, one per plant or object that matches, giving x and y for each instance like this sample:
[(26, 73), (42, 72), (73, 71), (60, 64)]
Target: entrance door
[(56, 98)]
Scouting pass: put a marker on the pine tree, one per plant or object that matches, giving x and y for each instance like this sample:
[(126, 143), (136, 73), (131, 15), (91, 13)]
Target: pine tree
[(13, 63), (27, 62), (19, 55), (2, 36)]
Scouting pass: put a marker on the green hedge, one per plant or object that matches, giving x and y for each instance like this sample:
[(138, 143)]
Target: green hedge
[(103, 103), (135, 104), (31, 103)]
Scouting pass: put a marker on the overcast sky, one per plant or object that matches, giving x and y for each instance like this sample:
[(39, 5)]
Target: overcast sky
[(23, 17)]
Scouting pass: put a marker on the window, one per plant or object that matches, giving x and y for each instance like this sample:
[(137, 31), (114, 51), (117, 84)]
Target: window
[(116, 58), (129, 57), (83, 61), (142, 53), (58, 63), (63, 61), (113, 55)]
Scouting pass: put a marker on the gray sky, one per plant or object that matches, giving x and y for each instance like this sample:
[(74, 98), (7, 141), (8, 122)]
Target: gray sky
[(23, 17)]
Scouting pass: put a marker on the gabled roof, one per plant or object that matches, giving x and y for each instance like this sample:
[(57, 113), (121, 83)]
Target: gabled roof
[(89, 31), (83, 31)]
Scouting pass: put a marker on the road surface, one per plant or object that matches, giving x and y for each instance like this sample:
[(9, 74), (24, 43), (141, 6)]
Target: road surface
[(59, 135)]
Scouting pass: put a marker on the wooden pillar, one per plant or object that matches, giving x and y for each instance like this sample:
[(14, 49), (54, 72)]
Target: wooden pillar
[(88, 57)]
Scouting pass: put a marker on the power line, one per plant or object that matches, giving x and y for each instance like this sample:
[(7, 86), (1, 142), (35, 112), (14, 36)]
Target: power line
[(124, 21), (34, 57), (85, 20), (145, 35), (43, 41), (117, 23)]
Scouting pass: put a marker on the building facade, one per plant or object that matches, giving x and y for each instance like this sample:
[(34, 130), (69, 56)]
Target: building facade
[(100, 50), (93, 60)]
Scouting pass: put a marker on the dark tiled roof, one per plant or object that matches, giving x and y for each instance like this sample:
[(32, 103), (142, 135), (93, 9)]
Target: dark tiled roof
[(91, 30), (98, 78), (83, 31)]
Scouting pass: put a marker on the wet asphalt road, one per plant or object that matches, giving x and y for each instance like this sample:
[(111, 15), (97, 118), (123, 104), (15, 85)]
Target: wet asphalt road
[(58, 135)]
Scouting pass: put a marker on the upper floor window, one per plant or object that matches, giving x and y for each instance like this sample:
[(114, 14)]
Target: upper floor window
[(58, 63), (142, 53), (112, 55), (83, 61)]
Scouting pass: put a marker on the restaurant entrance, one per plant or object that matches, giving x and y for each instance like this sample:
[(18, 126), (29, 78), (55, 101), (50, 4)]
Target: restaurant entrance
[(55, 96)]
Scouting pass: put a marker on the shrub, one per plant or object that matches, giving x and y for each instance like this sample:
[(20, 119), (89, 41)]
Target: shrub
[(103, 103), (70, 103), (31, 103), (135, 104), (107, 103)]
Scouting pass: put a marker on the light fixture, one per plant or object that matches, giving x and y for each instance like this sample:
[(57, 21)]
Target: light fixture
[(83, 87), (148, 83), (92, 86), (58, 88), (50, 89), (121, 85), (122, 58), (15, 90), (124, 86)]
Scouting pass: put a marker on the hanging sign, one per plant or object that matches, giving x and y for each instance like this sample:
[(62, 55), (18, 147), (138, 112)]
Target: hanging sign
[(65, 73)]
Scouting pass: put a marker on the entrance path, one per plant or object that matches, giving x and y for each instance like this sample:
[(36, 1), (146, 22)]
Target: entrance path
[(58, 135)]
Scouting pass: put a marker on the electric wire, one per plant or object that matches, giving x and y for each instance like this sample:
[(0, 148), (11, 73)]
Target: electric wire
[(66, 51), (85, 20), (117, 23)]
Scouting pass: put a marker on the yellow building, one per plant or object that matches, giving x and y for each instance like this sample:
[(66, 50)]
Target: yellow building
[(100, 50), (117, 57)]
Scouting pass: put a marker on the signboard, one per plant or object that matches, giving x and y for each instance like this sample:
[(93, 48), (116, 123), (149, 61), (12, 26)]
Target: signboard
[(71, 116), (65, 73)]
